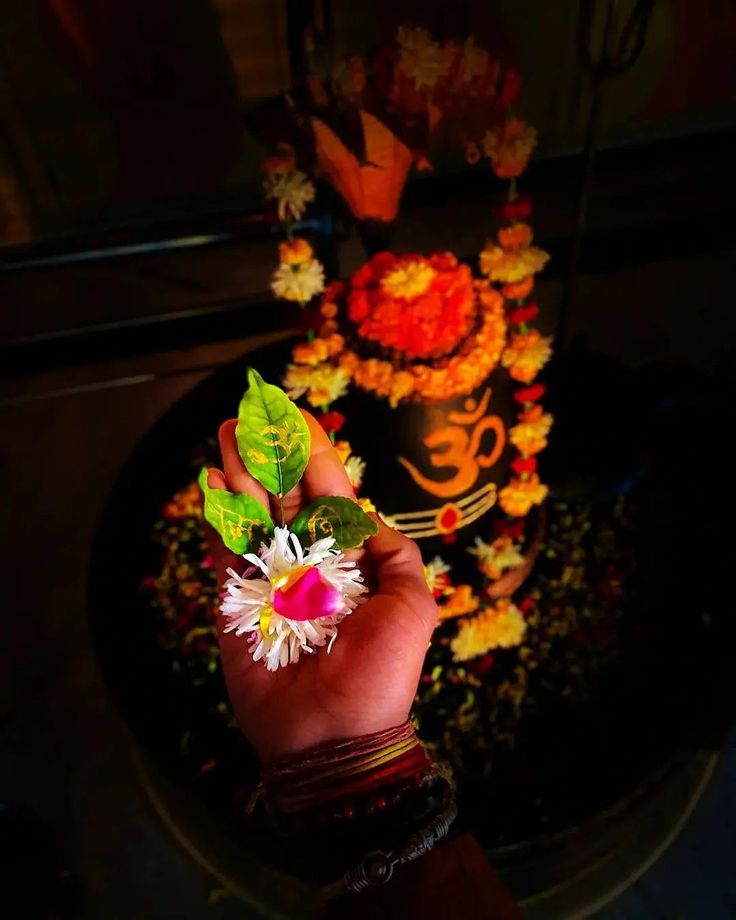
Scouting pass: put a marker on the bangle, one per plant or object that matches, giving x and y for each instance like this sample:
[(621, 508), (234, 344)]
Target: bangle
[(378, 866), (345, 778)]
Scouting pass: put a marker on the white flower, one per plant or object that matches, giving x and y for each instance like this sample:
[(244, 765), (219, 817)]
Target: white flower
[(433, 571), (355, 468), (292, 191), (323, 383), (298, 282), (495, 558), (251, 603)]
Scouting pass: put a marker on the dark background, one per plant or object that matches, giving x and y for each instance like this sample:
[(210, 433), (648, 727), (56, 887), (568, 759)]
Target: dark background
[(134, 259)]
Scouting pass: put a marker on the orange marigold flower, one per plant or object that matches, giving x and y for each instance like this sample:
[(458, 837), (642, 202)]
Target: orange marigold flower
[(461, 601), (295, 252), (516, 235), (500, 626), (186, 503), (328, 310), (348, 362), (401, 387), (511, 265), (509, 147), (313, 353), (343, 450), (420, 307), (517, 498), (519, 290), (526, 354), (334, 343), (283, 161)]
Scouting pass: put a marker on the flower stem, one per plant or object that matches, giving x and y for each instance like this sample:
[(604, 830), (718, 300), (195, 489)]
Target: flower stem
[(513, 192)]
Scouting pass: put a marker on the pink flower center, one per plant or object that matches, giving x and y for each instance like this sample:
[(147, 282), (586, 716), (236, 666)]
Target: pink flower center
[(304, 595)]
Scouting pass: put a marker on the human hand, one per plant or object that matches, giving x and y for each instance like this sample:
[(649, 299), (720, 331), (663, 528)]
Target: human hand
[(368, 681)]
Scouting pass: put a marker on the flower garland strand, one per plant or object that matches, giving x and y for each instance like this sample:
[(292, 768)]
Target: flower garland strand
[(299, 276)]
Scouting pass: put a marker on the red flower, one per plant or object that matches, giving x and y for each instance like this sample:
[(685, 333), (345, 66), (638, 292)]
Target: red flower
[(524, 465), (523, 314), (526, 605), (332, 421), (420, 307), (529, 394), (513, 529), (480, 666), (511, 87), (333, 291), (517, 209)]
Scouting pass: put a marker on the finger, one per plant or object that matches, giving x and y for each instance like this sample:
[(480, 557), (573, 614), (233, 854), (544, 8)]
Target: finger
[(325, 473), (236, 475), (216, 479), (399, 570)]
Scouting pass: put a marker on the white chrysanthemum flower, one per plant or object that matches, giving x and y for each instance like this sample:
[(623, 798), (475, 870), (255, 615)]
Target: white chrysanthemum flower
[(497, 557), (323, 383), (292, 191), (297, 603), (355, 469), (300, 282), (434, 571)]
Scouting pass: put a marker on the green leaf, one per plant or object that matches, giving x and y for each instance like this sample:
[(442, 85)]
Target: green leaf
[(273, 438), (335, 517), (241, 520)]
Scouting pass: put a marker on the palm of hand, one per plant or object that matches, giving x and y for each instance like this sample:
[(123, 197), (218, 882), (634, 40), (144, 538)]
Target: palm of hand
[(368, 681)]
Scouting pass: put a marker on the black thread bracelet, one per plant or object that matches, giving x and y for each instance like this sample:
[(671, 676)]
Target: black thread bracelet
[(377, 867)]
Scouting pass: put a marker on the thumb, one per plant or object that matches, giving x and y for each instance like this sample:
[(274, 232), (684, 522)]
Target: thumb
[(399, 570)]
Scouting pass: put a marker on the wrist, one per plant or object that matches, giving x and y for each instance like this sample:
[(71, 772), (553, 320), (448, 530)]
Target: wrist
[(345, 777), (348, 804)]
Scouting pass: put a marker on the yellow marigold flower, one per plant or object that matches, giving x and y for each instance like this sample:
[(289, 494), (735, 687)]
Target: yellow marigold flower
[(314, 352), (516, 235), (344, 450), (530, 435), (510, 265), (323, 383), (509, 147), (495, 558), (526, 354), (295, 252), (367, 505), (474, 61), (517, 498), (408, 280), (500, 626), (422, 59), (461, 601), (298, 283), (334, 343)]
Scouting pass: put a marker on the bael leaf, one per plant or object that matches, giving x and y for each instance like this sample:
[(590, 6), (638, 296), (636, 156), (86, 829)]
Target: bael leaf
[(241, 520), (335, 517), (273, 438)]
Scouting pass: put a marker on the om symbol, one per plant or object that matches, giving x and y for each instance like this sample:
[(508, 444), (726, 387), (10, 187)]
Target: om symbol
[(454, 447)]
